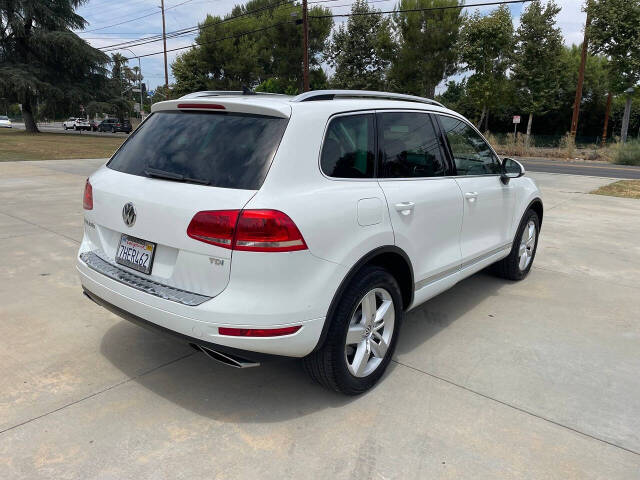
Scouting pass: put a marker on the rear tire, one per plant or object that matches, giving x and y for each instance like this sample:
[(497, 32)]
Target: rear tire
[(517, 265), (363, 331)]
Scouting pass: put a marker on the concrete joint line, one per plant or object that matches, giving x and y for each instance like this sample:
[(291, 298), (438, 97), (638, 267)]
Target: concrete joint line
[(111, 387), (520, 409)]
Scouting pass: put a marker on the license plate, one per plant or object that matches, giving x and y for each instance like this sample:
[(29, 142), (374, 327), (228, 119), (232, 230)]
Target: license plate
[(135, 253)]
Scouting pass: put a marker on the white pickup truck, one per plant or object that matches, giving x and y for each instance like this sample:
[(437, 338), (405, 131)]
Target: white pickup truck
[(76, 124)]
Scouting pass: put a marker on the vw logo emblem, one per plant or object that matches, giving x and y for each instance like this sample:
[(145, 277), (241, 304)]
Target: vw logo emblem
[(129, 214)]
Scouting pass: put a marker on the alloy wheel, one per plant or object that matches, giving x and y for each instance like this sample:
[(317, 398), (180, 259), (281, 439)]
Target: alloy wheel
[(527, 245), (370, 332)]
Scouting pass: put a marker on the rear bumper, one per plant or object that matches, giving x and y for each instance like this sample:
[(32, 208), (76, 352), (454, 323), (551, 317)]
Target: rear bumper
[(243, 354), (199, 324)]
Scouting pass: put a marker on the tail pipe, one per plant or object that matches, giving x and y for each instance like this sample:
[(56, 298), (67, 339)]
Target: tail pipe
[(226, 358)]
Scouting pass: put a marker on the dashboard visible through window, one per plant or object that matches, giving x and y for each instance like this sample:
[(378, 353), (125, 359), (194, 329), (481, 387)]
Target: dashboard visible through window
[(471, 154)]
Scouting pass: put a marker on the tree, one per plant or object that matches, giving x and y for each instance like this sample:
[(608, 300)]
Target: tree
[(361, 52), (427, 46), (40, 57), (614, 31), (537, 67), (486, 46), (233, 53)]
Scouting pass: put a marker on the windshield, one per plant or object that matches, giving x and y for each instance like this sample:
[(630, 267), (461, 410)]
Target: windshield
[(228, 150), (2, 117)]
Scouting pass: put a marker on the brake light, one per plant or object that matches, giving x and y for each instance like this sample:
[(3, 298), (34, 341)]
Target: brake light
[(258, 332), (248, 230), (205, 106), (87, 199)]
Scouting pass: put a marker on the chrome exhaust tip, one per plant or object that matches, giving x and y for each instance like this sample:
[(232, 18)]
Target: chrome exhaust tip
[(226, 358)]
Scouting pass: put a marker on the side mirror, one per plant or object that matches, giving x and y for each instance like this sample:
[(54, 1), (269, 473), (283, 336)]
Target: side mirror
[(511, 169)]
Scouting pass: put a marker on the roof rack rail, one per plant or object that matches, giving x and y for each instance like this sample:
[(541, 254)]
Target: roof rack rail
[(228, 93), (334, 94)]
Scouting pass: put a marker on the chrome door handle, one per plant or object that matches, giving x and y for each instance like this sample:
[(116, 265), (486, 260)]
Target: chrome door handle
[(405, 208), (471, 196)]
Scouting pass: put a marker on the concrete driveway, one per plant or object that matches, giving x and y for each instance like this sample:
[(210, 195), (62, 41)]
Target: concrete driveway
[(537, 379)]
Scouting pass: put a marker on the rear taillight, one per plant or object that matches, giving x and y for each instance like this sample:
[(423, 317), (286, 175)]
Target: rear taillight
[(87, 199), (248, 230), (214, 227), (258, 332)]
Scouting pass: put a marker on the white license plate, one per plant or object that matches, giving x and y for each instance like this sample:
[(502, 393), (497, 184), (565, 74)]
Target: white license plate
[(135, 253)]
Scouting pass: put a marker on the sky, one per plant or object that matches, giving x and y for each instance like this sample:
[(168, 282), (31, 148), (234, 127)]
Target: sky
[(103, 15)]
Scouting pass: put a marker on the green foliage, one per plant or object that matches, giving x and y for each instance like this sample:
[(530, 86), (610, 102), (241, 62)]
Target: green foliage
[(229, 57), (427, 43), (615, 32), (538, 68), (486, 46), (362, 51), (40, 56)]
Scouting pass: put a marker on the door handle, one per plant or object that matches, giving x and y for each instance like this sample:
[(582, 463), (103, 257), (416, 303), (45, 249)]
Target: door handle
[(471, 196), (405, 208)]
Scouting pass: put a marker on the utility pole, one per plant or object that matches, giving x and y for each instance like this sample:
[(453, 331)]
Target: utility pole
[(164, 41), (583, 62), (606, 118), (305, 46), (627, 115)]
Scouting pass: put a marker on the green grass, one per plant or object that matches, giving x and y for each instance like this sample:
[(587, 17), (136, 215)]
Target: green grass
[(19, 145)]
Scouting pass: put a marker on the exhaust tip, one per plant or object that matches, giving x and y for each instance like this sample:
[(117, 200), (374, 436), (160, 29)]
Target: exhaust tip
[(226, 358)]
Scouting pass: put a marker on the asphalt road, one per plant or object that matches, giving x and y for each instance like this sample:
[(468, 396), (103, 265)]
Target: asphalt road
[(594, 169)]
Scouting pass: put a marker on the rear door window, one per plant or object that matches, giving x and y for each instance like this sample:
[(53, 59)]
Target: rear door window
[(409, 146), (227, 150), (349, 148)]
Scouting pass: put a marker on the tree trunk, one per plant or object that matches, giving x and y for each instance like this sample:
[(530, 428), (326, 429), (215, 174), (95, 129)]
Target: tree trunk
[(29, 120), (529, 128), (484, 110), (486, 122), (625, 119)]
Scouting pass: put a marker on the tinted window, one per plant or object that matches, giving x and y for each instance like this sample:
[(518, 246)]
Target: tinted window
[(2, 117), (348, 150), (220, 149), (471, 153), (409, 146)]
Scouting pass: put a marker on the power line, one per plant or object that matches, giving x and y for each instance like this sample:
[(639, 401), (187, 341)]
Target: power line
[(133, 19), (426, 9), (322, 16), (184, 31)]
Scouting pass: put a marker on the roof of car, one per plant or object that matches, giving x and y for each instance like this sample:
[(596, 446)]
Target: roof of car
[(328, 101)]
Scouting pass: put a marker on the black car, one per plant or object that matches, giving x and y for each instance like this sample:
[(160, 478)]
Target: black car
[(114, 125)]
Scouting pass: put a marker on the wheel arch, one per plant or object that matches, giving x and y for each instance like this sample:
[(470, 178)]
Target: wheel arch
[(390, 257), (536, 206)]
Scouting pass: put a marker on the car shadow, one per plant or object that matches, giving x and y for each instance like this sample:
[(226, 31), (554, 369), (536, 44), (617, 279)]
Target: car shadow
[(277, 390)]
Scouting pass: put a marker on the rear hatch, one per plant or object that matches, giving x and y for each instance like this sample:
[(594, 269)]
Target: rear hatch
[(177, 163)]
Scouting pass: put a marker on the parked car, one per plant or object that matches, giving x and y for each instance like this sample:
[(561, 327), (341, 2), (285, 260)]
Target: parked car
[(300, 226), (5, 122), (69, 123), (114, 125), (76, 123)]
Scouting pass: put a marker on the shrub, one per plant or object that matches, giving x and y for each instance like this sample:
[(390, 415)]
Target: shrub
[(628, 153)]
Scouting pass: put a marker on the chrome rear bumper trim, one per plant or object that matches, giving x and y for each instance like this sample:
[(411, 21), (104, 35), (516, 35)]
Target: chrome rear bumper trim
[(132, 280)]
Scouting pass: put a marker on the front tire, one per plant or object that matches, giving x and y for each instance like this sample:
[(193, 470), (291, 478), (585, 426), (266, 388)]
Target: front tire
[(362, 336), (517, 265)]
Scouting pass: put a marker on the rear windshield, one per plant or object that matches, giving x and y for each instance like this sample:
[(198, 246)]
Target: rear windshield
[(228, 150)]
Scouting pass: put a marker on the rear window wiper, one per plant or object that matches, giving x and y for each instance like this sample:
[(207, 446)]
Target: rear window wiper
[(176, 177)]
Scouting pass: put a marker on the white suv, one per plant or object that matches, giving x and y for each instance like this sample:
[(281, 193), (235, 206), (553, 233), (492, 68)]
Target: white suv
[(260, 225)]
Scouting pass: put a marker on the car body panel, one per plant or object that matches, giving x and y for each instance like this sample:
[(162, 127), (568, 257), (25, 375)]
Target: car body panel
[(341, 220)]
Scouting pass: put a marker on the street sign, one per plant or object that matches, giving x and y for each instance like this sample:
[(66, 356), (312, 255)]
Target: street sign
[(516, 119)]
